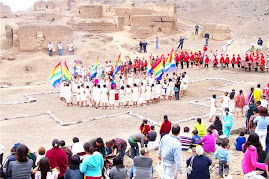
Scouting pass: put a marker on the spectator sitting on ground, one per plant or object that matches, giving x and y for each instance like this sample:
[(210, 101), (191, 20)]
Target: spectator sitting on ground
[(22, 167), (66, 149), (185, 139), (41, 154), (195, 138), (218, 124), (12, 157), (118, 171), (200, 127), (240, 140), (44, 171), (208, 142), (222, 138), (142, 167), (77, 147), (73, 171)]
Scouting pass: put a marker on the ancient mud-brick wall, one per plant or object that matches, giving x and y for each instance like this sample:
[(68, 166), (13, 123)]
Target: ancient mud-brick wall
[(88, 11), (217, 31), (100, 25), (144, 26), (5, 11), (35, 37), (40, 5), (54, 4), (128, 12)]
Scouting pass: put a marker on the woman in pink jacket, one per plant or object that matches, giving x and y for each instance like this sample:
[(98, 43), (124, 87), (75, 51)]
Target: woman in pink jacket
[(251, 149)]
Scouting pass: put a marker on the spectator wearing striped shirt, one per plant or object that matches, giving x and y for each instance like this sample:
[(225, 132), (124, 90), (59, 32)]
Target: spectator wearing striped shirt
[(185, 139)]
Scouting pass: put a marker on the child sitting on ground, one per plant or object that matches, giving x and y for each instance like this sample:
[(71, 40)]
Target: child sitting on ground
[(195, 139), (222, 154), (241, 139)]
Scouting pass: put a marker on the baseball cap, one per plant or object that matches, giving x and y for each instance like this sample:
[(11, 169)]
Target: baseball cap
[(55, 143)]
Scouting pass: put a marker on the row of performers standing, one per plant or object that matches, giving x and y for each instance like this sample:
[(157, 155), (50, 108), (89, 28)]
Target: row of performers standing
[(135, 90), (248, 62)]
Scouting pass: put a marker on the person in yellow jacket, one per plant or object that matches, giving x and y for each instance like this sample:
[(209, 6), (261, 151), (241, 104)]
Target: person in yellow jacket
[(200, 127)]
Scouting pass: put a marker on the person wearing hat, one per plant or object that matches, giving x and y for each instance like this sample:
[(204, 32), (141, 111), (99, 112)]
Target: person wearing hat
[(142, 167), (200, 165), (12, 157), (98, 145), (57, 158)]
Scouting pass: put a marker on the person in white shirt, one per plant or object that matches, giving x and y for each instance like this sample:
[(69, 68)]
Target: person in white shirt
[(82, 95), (135, 95), (50, 47), (60, 48), (128, 95), (70, 48), (111, 97), (121, 97), (104, 97), (264, 102)]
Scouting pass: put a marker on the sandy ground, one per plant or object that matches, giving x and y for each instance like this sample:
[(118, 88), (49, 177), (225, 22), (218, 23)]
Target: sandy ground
[(41, 130), (30, 68)]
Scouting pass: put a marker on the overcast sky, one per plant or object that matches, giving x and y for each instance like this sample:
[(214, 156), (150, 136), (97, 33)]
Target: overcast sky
[(19, 5)]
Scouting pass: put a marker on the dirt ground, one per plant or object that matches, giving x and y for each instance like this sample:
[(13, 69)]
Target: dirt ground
[(41, 130), (23, 75)]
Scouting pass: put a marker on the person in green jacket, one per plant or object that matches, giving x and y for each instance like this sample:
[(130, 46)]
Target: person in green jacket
[(200, 127), (98, 145)]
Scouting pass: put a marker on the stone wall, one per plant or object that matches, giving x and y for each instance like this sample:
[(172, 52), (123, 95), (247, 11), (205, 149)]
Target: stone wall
[(88, 11), (217, 31), (35, 36), (5, 11)]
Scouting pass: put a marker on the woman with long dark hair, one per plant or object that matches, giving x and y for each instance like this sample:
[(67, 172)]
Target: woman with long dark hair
[(145, 128), (92, 164), (218, 124), (44, 170), (251, 149), (22, 167), (118, 170)]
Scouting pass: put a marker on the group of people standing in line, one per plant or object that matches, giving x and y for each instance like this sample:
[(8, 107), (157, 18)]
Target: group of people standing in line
[(52, 49), (136, 89)]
